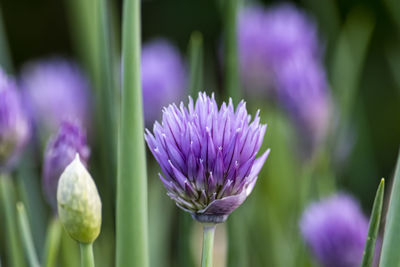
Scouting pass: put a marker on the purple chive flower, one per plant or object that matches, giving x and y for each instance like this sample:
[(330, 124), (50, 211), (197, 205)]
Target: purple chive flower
[(14, 122), (60, 152), (279, 50), (303, 92), (57, 90), (268, 36), (208, 156), (336, 230), (163, 77)]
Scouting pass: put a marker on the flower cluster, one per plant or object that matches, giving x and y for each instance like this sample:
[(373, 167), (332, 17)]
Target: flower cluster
[(336, 230), (57, 90), (163, 77), (60, 151), (208, 156), (267, 37), (14, 122), (279, 50)]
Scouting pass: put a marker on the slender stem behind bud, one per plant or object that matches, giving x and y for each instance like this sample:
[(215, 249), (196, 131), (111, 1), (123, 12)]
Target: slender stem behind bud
[(16, 259), (87, 259), (53, 241), (208, 245), (26, 235)]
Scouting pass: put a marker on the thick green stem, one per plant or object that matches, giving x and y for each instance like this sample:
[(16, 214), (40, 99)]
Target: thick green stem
[(230, 45), (16, 259), (208, 245), (87, 259), (26, 235), (53, 241), (132, 233)]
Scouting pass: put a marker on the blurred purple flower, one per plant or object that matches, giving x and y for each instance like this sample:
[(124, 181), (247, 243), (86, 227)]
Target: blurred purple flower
[(163, 77), (302, 90), (279, 50), (14, 122), (57, 90), (60, 152), (268, 36), (208, 156), (336, 230)]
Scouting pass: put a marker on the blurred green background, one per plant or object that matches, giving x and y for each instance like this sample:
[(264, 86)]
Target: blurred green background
[(40, 28), (362, 59)]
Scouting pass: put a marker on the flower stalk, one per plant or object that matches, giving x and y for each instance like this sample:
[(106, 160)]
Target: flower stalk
[(87, 259), (53, 241), (14, 246), (208, 245), (26, 235)]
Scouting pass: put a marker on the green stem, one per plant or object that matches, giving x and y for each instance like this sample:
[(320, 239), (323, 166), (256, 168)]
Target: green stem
[(16, 259), (52, 245), (196, 63), (87, 259), (26, 234), (132, 233), (230, 45), (208, 245)]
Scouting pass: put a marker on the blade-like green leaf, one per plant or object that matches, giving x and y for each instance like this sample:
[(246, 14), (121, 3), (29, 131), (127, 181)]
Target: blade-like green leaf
[(196, 63), (131, 226), (374, 223), (349, 57), (390, 256)]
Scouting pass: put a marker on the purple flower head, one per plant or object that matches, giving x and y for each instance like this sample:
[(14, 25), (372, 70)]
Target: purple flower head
[(163, 77), (14, 122), (208, 156), (279, 49), (335, 229), (268, 36), (60, 152), (57, 90), (302, 90)]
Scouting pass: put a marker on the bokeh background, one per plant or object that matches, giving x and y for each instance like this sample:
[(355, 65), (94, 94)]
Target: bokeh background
[(361, 43)]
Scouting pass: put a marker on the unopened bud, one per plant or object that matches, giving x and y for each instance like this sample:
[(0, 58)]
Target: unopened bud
[(79, 204)]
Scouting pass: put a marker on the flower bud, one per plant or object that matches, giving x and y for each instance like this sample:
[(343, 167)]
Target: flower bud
[(60, 151), (79, 204), (14, 122)]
